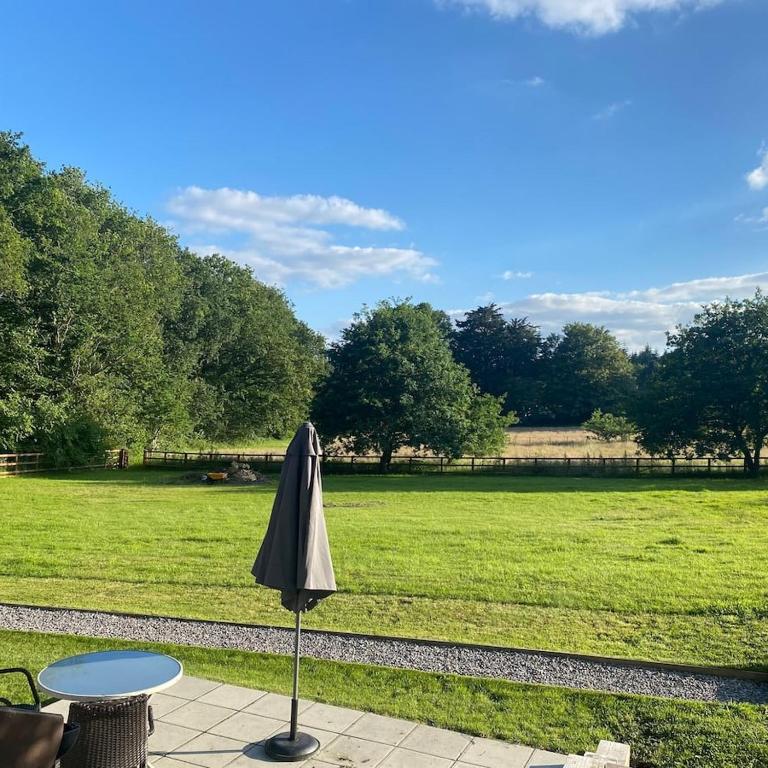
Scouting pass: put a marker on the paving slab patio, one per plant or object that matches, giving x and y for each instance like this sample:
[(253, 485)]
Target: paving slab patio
[(206, 724)]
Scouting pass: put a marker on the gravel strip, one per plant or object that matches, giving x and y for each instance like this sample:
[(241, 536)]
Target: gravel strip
[(517, 666)]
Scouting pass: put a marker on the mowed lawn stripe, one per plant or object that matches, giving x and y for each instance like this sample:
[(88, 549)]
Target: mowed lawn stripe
[(663, 733), (669, 569)]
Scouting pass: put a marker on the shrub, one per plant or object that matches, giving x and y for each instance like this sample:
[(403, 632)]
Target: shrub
[(608, 427)]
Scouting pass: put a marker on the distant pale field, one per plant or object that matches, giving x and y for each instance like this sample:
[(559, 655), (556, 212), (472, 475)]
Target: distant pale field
[(563, 441), (542, 442)]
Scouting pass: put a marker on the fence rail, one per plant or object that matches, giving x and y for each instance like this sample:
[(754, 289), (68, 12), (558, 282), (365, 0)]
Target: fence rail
[(509, 465), (27, 463)]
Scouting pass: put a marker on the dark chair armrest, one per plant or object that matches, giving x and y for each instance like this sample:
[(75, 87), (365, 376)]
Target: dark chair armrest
[(30, 681)]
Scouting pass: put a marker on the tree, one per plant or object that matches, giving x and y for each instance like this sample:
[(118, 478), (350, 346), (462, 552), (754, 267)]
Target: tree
[(113, 335), (709, 395), (609, 427), (502, 356), (645, 362), (586, 369), (393, 383), (254, 365)]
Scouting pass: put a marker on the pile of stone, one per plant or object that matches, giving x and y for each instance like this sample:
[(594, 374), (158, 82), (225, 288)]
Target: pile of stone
[(240, 472), (237, 473)]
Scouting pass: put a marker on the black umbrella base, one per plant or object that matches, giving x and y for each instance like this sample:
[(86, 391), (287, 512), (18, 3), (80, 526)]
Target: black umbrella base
[(284, 749)]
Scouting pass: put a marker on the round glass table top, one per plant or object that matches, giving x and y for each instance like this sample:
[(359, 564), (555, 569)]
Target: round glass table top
[(109, 675)]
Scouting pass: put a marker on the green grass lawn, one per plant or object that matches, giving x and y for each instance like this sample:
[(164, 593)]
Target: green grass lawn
[(663, 734), (667, 569)]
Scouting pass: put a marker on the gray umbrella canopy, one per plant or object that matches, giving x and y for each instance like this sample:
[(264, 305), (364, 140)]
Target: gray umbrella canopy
[(294, 556)]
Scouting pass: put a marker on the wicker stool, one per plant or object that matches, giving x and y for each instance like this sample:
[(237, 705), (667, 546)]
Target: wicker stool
[(113, 734)]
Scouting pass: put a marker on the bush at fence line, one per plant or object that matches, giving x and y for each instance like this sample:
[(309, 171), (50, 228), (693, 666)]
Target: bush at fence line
[(609, 427)]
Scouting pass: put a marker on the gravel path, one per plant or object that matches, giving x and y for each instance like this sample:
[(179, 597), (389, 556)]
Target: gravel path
[(518, 666)]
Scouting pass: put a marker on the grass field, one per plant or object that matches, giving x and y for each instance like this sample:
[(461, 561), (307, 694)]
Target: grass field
[(547, 442), (663, 734), (669, 569)]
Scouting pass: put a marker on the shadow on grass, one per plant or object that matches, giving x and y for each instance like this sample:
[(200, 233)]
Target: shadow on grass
[(419, 483)]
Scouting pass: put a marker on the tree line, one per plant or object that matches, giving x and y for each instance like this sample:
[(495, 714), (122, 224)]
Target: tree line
[(113, 334)]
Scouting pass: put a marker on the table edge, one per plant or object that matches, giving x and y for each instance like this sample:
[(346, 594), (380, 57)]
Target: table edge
[(62, 695)]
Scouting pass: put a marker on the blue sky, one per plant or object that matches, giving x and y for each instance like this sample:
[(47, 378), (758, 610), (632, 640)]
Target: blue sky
[(603, 161)]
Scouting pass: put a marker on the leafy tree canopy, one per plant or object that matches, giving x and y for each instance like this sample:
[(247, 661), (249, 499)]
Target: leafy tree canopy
[(393, 383), (709, 394), (608, 427), (113, 335), (502, 356), (586, 369), (254, 364)]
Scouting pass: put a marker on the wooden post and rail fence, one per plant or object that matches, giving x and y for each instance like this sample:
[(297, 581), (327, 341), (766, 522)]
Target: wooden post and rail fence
[(29, 463), (504, 465), (625, 466)]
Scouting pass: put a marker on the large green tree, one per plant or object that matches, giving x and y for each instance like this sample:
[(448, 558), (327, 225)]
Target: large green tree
[(96, 286), (586, 369), (645, 362), (502, 356), (393, 383), (113, 335), (709, 393), (254, 365)]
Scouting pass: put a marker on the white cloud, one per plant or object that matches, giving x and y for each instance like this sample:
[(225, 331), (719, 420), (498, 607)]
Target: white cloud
[(243, 210), (535, 81), (286, 238), (513, 275), (590, 16), (758, 178), (760, 222), (637, 317), (612, 110)]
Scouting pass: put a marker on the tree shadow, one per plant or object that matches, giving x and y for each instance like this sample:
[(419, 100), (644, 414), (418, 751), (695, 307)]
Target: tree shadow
[(448, 482)]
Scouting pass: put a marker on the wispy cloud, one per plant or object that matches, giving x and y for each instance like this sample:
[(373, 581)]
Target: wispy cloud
[(535, 82), (637, 317), (510, 274), (760, 220), (758, 178), (612, 109), (588, 16), (288, 238)]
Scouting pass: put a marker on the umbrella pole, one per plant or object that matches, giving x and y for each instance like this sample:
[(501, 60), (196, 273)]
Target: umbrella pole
[(293, 745), (295, 699)]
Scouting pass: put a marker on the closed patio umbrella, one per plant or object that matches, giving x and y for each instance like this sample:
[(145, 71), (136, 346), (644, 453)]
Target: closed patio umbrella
[(296, 559)]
